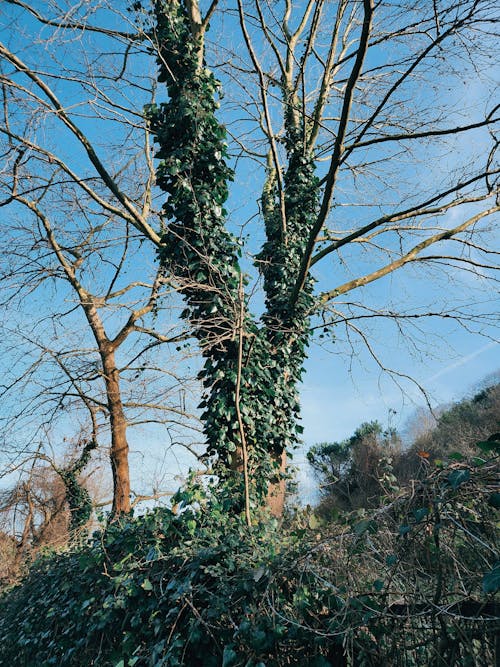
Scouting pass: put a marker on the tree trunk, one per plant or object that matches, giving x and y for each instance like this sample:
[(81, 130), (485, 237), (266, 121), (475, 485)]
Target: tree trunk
[(119, 444), (252, 369), (277, 490), (28, 527)]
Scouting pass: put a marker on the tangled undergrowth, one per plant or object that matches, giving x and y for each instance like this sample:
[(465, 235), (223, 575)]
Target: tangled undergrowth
[(411, 583)]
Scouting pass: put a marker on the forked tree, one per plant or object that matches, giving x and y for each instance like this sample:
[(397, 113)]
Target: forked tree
[(371, 163), (325, 88)]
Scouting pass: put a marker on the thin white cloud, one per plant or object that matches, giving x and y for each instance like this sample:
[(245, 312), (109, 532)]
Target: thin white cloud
[(461, 362)]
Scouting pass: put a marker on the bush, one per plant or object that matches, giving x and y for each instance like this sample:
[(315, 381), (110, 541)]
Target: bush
[(457, 429), (410, 583), (356, 472)]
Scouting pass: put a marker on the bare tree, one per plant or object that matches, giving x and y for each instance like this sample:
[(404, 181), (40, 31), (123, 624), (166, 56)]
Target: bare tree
[(85, 319), (104, 378)]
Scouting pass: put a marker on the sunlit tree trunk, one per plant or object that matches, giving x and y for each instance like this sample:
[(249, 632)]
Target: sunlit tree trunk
[(119, 445)]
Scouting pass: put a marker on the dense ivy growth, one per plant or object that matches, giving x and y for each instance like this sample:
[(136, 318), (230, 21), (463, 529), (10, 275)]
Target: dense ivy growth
[(264, 359), (409, 584), (78, 498)]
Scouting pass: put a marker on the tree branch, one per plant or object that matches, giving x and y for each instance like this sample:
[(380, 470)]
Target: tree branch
[(405, 259), (337, 151)]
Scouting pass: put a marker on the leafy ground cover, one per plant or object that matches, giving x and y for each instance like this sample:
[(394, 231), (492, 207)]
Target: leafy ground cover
[(409, 583)]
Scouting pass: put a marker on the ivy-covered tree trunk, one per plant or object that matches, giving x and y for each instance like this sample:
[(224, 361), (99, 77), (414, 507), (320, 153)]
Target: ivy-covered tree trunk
[(77, 496), (251, 370), (286, 322)]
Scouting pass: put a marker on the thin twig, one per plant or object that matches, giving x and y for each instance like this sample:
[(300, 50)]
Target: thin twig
[(244, 449)]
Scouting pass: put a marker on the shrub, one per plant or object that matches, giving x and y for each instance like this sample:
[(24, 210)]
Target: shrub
[(410, 583)]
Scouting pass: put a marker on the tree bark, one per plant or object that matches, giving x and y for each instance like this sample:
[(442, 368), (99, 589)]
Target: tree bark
[(119, 444), (28, 527), (277, 490)]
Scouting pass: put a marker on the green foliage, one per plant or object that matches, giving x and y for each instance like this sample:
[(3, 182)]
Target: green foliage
[(329, 459), (162, 589), (203, 256), (404, 584), (358, 471), (77, 496), (197, 249), (491, 580), (461, 426)]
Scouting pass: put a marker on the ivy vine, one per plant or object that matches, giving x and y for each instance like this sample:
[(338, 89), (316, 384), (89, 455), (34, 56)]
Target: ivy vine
[(78, 498), (198, 250)]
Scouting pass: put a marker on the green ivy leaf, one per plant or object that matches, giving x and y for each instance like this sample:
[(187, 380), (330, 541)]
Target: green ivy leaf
[(364, 526), (458, 477), (229, 656), (491, 580), (478, 461), (153, 554), (489, 446), (494, 500), (420, 513), (320, 661)]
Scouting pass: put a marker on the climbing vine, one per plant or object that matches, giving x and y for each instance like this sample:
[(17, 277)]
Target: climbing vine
[(77, 496), (201, 254), (287, 323)]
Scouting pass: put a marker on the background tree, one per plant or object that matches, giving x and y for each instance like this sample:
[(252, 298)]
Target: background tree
[(9, 570), (88, 375), (456, 431), (357, 471), (99, 381), (42, 510), (82, 326)]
